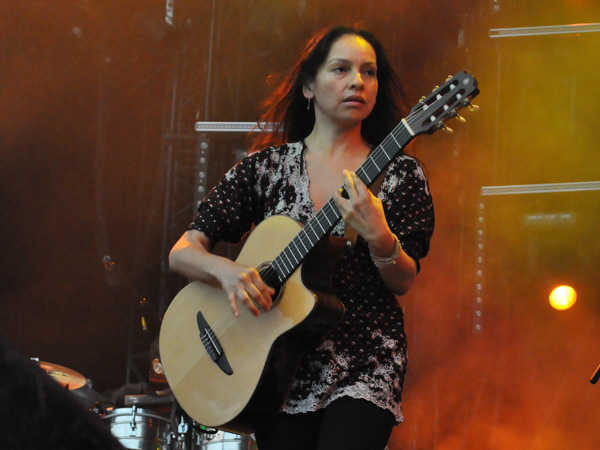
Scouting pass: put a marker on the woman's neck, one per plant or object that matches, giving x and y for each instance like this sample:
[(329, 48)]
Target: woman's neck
[(333, 144)]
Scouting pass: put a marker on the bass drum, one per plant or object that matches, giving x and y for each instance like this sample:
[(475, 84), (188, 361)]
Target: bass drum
[(139, 429), (222, 440)]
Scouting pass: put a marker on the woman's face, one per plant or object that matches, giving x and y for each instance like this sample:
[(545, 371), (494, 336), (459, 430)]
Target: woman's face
[(345, 87)]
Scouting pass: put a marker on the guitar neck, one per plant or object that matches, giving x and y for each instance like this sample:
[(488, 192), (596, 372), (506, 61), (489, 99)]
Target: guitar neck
[(319, 226)]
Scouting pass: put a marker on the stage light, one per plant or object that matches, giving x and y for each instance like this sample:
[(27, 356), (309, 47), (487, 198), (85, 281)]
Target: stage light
[(563, 297)]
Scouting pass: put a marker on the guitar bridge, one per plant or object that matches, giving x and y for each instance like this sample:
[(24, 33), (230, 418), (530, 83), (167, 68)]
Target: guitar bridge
[(212, 345)]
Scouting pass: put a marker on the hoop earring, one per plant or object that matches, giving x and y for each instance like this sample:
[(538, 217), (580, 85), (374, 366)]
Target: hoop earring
[(308, 105)]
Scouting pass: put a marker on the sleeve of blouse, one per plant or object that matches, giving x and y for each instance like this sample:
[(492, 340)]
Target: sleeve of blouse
[(409, 207), (229, 210)]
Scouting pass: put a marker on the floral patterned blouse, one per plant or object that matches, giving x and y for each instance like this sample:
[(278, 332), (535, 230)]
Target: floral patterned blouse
[(365, 356)]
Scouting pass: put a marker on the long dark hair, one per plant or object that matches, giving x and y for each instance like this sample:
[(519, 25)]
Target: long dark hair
[(285, 113)]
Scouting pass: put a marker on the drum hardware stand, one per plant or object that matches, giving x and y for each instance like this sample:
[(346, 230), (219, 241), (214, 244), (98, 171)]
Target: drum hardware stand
[(182, 430), (133, 424), (180, 427), (187, 432)]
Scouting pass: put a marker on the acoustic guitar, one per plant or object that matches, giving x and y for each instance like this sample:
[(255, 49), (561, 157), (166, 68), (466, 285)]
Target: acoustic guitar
[(233, 373)]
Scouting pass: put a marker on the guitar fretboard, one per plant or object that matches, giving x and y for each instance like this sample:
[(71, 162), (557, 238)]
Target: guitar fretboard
[(319, 226), (425, 117)]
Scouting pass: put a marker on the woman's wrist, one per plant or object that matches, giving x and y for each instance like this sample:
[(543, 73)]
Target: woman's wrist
[(380, 261)]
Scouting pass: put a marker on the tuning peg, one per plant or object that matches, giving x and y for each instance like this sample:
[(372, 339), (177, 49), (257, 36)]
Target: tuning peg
[(449, 77), (447, 130), (458, 117), (472, 107), (442, 126), (435, 89)]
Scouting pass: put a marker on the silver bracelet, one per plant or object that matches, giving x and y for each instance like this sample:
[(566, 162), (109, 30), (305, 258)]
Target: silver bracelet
[(382, 262)]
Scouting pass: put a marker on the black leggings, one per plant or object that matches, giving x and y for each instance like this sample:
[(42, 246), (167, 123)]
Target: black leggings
[(346, 424)]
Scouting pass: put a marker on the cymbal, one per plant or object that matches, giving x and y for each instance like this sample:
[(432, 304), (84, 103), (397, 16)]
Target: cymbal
[(65, 377)]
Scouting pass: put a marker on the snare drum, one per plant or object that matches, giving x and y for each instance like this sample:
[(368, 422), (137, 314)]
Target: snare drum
[(227, 441), (139, 429)]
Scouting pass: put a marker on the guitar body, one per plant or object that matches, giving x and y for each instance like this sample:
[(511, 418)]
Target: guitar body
[(263, 352)]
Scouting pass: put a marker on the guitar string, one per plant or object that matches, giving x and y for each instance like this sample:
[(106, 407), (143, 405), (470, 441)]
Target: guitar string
[(289, 260), (379, 159), (380, 153), (376, 160)]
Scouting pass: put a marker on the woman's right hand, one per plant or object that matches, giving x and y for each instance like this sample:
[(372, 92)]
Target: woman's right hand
[(244, 284), (191, 257)]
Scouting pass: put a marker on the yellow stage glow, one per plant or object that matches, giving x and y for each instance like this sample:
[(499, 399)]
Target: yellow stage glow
[(563, 297)]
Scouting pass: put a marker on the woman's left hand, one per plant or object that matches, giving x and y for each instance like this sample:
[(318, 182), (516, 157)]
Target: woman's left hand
[(362, 210)]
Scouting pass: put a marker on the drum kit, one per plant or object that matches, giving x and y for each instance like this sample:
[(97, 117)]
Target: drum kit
[(152, 421)]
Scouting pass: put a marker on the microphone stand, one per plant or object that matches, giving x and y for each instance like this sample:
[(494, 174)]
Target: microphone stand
[(139, 308), (596, 376)]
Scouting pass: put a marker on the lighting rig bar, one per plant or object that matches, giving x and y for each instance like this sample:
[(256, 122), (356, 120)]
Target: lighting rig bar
[(576, 28), (230, 127), (541, 188)]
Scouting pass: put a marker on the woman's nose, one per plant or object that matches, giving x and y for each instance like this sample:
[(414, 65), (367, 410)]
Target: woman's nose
[(357, 80)]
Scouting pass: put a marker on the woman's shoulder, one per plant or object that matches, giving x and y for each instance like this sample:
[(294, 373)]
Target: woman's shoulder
[(407, 169), (407, 163), (277, 153), (290, 148), (407, 160)]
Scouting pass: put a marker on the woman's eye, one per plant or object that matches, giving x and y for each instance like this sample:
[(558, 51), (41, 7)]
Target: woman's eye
[(339, 69)]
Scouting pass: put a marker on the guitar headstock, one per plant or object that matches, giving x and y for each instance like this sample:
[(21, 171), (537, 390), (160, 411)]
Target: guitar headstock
[(443, 104)]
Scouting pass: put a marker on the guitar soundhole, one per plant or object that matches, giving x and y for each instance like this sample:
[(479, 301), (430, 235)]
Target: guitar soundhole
[(278, 295), (269, 276)]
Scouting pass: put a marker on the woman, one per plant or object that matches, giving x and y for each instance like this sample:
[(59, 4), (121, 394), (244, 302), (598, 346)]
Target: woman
[(335, 106)]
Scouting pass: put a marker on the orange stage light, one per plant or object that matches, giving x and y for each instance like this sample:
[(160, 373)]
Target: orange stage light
[(563, 297)]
